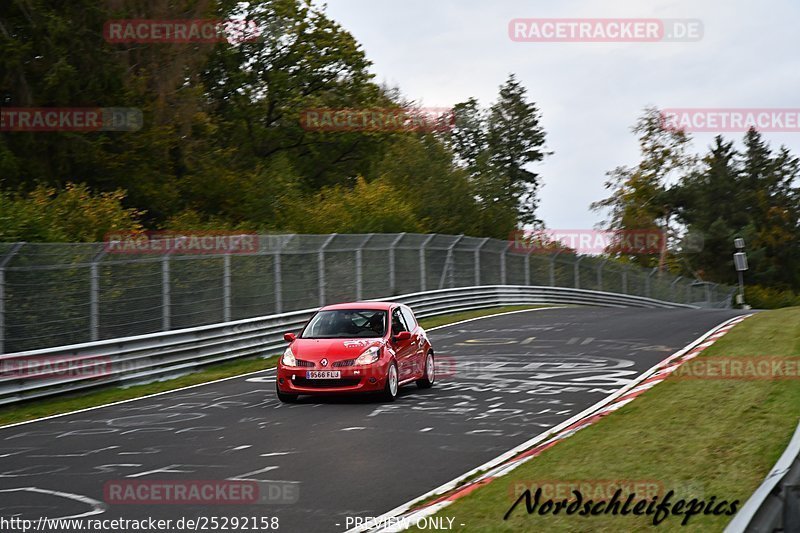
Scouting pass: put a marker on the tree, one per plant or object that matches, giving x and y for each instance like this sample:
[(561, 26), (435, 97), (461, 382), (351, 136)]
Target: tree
[(639, 199), (496, 148)]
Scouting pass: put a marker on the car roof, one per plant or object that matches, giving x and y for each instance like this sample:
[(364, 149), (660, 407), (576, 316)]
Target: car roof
[(382, 306)]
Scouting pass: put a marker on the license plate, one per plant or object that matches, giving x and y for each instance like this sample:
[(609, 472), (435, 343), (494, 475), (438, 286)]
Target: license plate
[(323, 374)]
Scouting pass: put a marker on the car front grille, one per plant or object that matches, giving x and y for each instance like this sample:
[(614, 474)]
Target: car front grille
[(325, 383), (346, 362), (308, 364)]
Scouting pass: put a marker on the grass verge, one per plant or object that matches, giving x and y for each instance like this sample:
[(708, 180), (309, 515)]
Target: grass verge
[(699, 437), (34, 409)]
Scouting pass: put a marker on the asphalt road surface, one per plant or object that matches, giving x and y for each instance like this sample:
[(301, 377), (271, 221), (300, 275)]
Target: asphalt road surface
[(318, 462)]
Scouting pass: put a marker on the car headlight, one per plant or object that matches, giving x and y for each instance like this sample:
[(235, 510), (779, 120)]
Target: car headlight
[(288, 357), (369, 356)]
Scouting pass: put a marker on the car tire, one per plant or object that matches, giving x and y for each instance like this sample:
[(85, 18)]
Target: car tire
[(429, 378), (284, 398), (392, 386)]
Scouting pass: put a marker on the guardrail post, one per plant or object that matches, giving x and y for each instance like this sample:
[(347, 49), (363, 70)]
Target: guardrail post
[(3, 263), (576, 270), (94, 296), (393, 264), (321, 269), (422, 274), (477, 261), (226, 288), (165, 293)]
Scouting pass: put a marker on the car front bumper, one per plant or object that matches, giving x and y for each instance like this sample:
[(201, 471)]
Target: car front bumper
[(353, 379)]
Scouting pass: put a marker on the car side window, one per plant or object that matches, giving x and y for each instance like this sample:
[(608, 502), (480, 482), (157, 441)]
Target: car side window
[(409, 318), (398, 324)]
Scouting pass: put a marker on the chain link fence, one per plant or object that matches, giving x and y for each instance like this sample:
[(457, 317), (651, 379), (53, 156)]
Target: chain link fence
[(57, 294)]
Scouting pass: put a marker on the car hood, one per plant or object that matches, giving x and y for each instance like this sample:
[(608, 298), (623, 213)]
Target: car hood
[(332, 349)]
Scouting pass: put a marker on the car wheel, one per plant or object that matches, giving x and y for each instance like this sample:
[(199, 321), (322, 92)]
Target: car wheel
[(285, 398), (427, 380), (390, 389)]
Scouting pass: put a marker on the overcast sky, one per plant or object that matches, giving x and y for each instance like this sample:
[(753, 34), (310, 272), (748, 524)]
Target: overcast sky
[(441, 52)]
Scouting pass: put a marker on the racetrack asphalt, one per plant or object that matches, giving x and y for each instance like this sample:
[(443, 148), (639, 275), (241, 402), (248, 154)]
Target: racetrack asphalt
[(502, 380)]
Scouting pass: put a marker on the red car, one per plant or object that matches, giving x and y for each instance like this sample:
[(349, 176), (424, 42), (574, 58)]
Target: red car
[(356, 347)]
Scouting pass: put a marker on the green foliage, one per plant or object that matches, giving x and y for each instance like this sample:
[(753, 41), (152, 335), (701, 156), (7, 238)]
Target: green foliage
[(71, 215), (374, 207), (222, 144), (760, 297)]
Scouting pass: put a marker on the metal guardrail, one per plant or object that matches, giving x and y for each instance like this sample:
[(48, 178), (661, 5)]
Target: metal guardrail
[(775, 505), (39, 373)]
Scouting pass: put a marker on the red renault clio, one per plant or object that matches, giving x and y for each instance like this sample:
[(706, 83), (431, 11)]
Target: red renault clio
[(356, 347)]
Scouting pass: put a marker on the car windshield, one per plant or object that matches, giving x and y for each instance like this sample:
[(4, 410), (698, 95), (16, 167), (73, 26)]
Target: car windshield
[(346, 323)]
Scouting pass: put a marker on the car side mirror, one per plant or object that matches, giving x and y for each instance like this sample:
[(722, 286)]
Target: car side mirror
[(402, 336), (289, 337)]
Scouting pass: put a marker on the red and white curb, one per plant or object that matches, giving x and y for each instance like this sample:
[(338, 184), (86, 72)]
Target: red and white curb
[(408, 514)]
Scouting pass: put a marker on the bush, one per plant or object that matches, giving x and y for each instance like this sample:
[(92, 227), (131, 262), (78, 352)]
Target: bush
[(73, 214), (760, 297)]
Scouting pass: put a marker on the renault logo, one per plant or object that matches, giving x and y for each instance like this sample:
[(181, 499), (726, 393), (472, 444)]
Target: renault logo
[(324, 362)]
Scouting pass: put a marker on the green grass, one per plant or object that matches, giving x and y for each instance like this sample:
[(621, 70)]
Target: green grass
[(34, 409), (701, 438)]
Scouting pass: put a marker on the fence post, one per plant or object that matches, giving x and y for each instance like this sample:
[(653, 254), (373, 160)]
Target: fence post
[(503, 253), (477, 261), (625, 279), (647, 282), (359, 271), (600, 268), (576, 270), (448, 263), (528, 267), (94, 296), (422, 274), (226, 288), (321, 268), (393, 265), (165, 293), (553, 268), (672, 288), (3, 263)]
